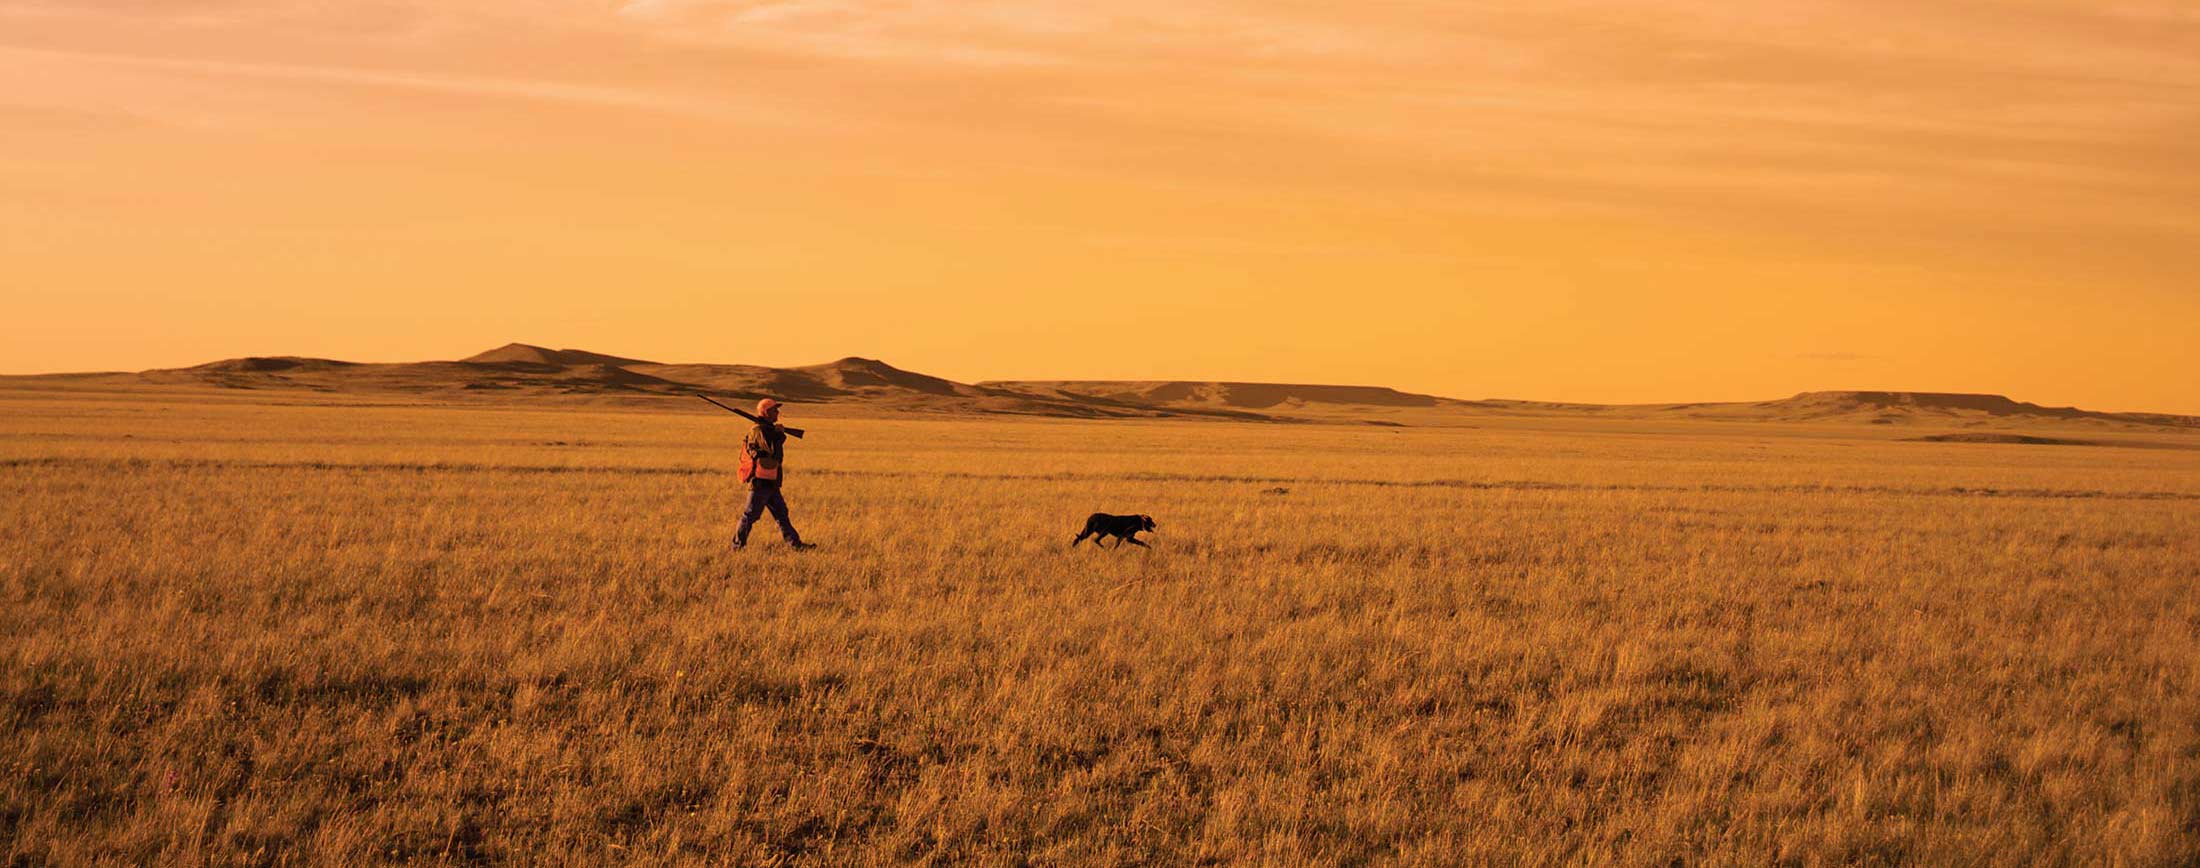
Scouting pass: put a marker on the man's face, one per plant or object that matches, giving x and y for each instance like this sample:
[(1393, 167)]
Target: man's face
[(771, 415)]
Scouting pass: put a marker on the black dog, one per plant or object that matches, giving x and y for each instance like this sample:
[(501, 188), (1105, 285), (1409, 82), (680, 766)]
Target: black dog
[(1124, 528)]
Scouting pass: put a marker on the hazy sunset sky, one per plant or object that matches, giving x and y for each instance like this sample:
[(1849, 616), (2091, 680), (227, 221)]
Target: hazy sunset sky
[(1593, 200)]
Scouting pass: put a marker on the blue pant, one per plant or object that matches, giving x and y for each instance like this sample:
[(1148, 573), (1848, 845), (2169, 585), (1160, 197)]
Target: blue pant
[(762, 496)]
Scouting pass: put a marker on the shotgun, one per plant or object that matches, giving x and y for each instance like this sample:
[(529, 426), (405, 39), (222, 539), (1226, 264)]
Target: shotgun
[(796, 433)]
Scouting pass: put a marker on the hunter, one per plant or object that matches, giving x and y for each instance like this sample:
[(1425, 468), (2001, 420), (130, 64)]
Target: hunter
[(763, 467)]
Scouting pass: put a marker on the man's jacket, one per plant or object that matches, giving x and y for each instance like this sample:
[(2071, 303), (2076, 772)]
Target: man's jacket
[(762, 453)]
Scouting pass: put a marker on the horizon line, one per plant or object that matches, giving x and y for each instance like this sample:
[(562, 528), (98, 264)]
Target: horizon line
[(1165, 380)]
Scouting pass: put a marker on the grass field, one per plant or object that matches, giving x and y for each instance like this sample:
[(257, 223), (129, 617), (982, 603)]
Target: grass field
[(236, 630)]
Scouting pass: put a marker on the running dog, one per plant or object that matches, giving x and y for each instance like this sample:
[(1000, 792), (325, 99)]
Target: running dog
[(1125, 529)]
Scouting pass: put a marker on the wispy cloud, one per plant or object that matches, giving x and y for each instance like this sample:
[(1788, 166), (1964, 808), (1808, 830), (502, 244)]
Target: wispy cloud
[(1128, 33), (714, 108), (1686, 105), (1693, 82)]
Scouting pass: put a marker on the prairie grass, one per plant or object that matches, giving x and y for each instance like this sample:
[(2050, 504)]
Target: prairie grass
[(242, 631)]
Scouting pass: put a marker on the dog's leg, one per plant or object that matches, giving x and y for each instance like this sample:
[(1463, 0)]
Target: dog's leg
[(1134, 541)]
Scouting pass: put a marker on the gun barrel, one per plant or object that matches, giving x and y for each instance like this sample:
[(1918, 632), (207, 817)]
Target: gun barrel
[(734, 410)]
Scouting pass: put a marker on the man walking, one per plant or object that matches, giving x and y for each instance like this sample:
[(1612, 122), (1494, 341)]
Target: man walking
[(763, 467)]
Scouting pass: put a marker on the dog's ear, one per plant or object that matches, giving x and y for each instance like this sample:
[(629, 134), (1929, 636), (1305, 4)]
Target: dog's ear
[(1149, 521)]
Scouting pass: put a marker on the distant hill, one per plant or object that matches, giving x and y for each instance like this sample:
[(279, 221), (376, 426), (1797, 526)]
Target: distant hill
[(876, 383), (1188, 394), (1376, 403), (1935, 403), (529, 354), (526, 368), (1940, 408), (270, 364), (529, 369)]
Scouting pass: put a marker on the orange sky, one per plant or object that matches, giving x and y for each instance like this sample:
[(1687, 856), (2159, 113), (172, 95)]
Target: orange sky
[(1600, 201)]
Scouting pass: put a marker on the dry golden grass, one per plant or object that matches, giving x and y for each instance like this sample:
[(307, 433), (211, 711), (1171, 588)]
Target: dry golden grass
[(249, 632)]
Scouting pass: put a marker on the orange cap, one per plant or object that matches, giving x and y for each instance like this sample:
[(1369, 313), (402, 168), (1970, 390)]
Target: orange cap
[(766, 406)]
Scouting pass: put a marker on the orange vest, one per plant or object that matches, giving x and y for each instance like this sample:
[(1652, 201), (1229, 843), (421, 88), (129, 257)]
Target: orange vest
[(753, 468)]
